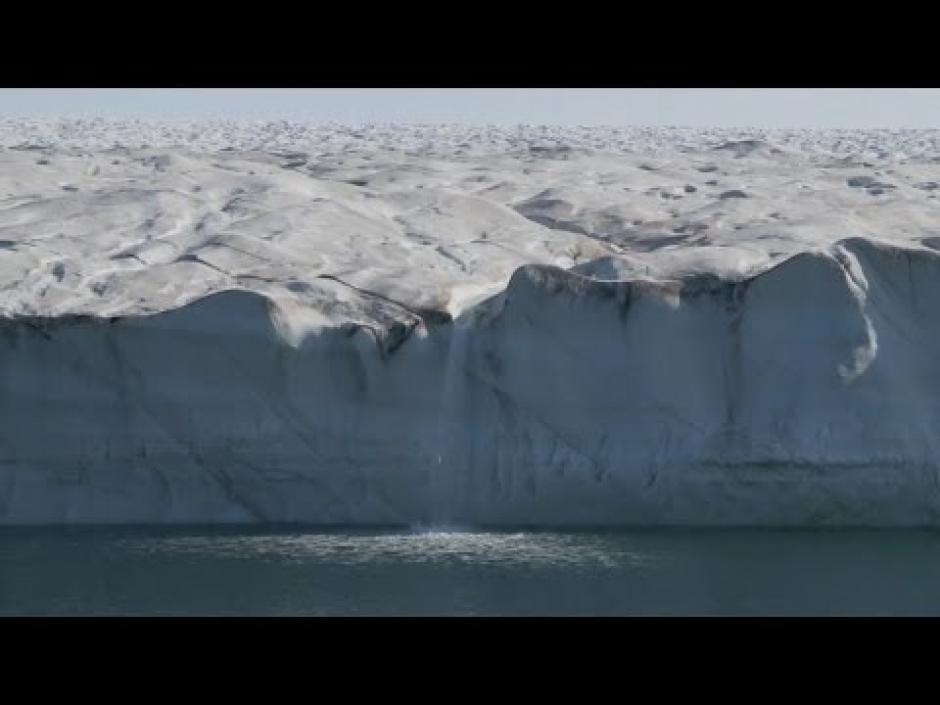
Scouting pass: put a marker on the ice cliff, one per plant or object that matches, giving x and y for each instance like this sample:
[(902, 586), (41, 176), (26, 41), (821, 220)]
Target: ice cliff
[(722, 329)]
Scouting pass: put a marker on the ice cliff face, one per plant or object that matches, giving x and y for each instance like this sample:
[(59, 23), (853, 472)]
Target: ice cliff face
[(563, 346)]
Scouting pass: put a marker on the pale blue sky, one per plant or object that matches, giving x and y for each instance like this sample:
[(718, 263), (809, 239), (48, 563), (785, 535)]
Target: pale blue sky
[(888, 108)]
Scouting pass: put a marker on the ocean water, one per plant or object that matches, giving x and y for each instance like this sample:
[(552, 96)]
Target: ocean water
[(291, 571)]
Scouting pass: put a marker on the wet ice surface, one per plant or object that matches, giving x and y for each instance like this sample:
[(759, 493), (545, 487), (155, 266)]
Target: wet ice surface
[(200, 571)]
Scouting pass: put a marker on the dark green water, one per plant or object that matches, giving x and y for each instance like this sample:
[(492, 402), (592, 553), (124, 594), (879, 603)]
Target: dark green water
[(200, 571)]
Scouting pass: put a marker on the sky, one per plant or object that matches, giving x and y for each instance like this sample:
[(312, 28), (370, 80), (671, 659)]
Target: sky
[(743, 107)]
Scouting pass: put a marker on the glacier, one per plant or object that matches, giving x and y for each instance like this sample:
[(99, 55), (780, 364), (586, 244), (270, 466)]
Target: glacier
[(446, 325)]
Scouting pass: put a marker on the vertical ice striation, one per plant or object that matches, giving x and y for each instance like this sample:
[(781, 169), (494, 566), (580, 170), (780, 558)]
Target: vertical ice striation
[(865, 353)]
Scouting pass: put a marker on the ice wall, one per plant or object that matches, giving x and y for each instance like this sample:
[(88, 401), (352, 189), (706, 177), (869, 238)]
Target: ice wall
[(807, 394)]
